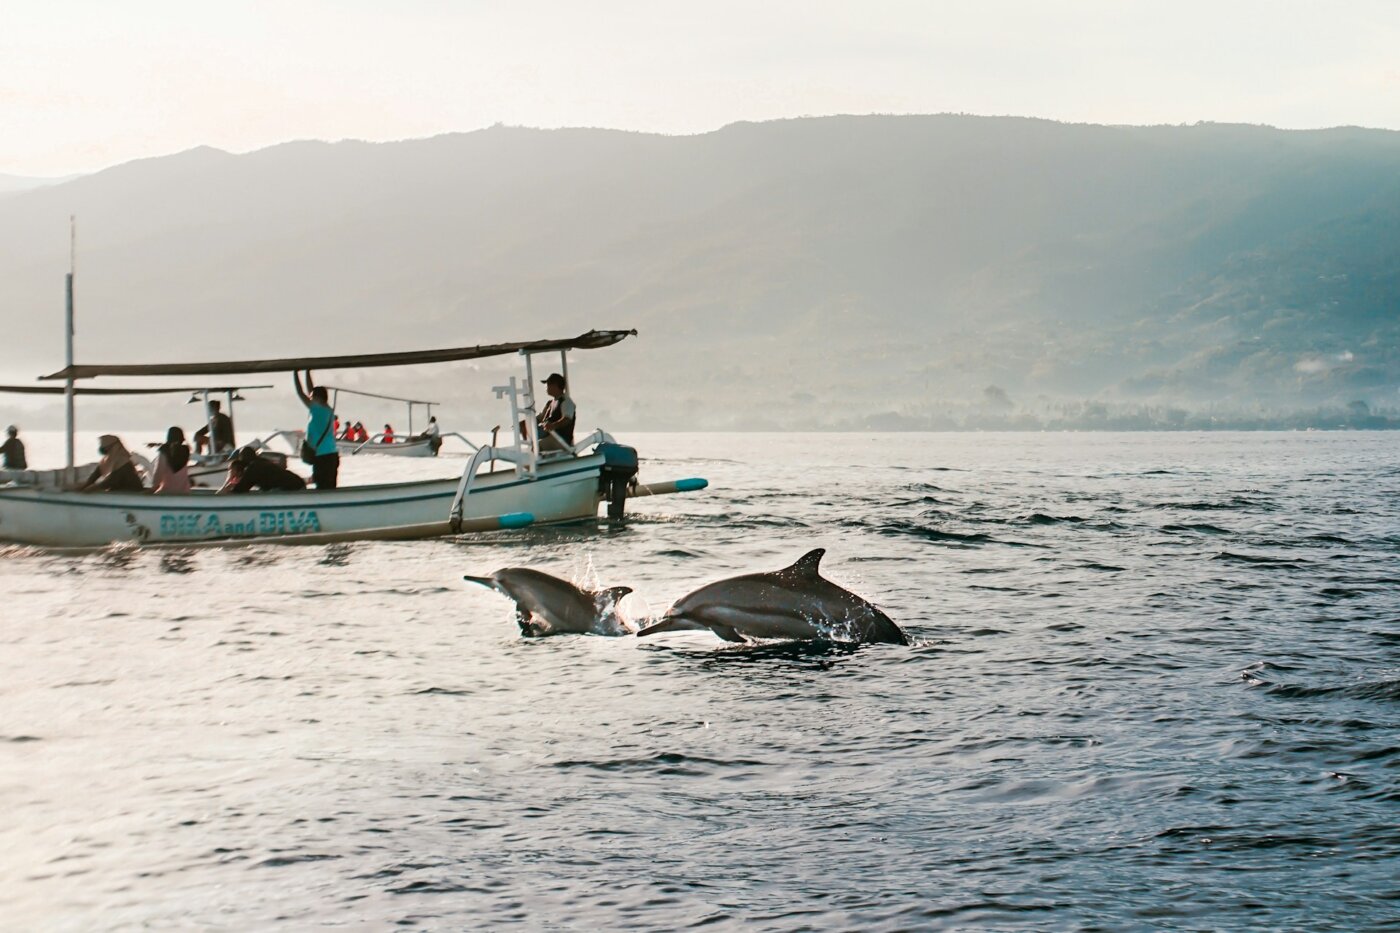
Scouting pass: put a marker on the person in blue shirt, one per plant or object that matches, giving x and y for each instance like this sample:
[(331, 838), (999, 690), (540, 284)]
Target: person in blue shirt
[(325, 463)]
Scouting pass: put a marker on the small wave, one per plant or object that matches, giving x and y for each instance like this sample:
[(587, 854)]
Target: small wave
[(280, 861), (1199, 528), (933, 534), (428, 887), (440, 691), (1328, 539), (19, 738), (1234, 503), (1366, 690), (1258, 559), (668, 763), (948, 538), (1041, 518)]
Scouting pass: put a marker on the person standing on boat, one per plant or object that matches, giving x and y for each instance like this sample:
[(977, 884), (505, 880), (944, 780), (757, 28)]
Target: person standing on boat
[(558, 415), (223, 432), (115, 472), (13, 450), (325, 461), (172, 474), (433, 434)]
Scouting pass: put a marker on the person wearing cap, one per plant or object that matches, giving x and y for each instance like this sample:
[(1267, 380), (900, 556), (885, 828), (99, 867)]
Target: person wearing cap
[(558, 416), (13, 450)]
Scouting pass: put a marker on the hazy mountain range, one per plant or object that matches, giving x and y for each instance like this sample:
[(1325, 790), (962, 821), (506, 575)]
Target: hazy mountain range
[(843, 271), (13, 184)]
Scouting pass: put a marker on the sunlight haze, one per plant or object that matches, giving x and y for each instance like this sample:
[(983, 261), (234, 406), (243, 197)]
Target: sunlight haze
[(85, 85)]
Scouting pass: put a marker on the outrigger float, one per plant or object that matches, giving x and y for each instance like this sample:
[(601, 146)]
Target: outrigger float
[(41, 508)]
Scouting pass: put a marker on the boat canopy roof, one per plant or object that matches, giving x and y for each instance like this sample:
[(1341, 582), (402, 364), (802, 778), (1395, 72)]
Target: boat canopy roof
[(133, 390), (593, 340)]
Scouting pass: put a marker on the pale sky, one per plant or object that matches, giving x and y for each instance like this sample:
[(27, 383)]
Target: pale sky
[(85, 84)]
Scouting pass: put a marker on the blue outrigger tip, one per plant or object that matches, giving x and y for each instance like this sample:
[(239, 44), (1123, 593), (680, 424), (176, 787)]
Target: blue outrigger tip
[(516, 520), (691, 485)]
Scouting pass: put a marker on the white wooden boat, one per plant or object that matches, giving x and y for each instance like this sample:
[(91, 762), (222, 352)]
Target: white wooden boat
[(527, 488), (561, 490)]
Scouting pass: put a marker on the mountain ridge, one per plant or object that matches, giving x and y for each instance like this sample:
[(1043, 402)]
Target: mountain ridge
[(832, 267)]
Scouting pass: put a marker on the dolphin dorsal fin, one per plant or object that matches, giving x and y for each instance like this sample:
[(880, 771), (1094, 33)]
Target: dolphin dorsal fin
[(809, 564), (612, 594)]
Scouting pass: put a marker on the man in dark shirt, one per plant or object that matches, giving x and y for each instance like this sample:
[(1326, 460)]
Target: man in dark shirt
[(13, 450), (223, 432), (248, 471)]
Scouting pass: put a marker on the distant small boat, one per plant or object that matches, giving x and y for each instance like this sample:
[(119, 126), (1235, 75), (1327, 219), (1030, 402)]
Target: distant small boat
[(413, 447)]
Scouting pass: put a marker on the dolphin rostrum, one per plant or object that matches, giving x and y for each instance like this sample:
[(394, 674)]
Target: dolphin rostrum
[(795, 602), (546, 605)]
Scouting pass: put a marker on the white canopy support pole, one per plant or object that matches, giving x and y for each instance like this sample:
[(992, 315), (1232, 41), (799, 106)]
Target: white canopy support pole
[(68, 342), (208, 420), (564, 369), (532, 431), (517, 420), (233, 426), (410, 419)]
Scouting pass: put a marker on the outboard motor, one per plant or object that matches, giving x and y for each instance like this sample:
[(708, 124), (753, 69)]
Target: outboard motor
[(619, 469)]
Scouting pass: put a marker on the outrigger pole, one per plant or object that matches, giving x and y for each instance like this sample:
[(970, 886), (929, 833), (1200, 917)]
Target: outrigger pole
[(68, 338)]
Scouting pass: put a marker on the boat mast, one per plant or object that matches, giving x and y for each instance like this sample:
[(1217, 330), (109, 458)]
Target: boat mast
[(68, 337)]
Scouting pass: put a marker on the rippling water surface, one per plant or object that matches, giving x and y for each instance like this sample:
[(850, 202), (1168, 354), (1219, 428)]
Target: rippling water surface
[(1156, 685)]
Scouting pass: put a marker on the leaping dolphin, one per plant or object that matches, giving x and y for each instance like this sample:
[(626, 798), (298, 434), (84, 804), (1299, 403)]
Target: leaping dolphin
[(796, 602), (546, 605)]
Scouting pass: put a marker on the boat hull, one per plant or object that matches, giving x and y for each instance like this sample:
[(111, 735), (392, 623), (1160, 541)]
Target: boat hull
[(413, 448), (562, 491)]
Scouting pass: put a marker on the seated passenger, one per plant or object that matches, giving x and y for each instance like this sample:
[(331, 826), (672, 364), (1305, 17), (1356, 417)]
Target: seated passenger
[(388, 437), (115, 472), (223, 431), (558, 416), (172, 474), (13, 450), (247, 471), (349, 433)]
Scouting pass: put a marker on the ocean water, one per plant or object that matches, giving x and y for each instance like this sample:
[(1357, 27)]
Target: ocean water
[(1155, 685)]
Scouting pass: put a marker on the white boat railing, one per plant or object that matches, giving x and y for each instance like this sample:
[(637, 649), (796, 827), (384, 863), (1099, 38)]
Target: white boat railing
[(521, 458)]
